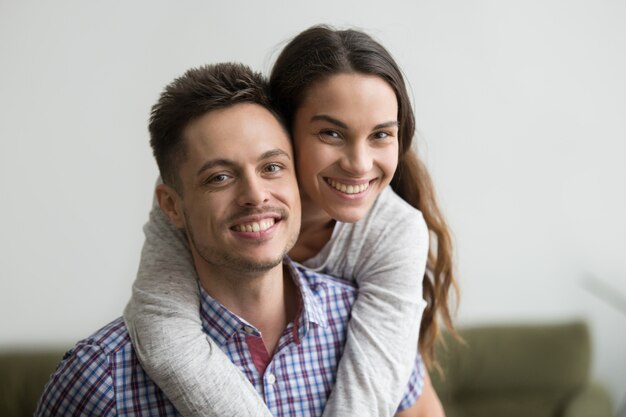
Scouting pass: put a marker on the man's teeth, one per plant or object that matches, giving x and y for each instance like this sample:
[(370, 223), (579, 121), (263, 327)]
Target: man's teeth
[(255, 226), (348, 189)]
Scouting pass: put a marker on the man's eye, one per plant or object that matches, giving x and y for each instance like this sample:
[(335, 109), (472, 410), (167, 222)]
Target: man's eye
[(273, 168), (217, 179)]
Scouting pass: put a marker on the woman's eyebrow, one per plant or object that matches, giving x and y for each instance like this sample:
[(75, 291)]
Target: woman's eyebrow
[(393, 123), (329, 119), (339, 123)]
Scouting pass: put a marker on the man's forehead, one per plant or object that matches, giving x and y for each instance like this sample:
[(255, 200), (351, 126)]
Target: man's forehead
[(240, 132), (237, 150)]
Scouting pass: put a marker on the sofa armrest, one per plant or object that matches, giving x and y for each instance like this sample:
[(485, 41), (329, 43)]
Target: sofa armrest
[(591, 401)]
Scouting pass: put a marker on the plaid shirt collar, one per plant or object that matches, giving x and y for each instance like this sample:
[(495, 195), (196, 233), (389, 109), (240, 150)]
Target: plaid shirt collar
[(222, 324)]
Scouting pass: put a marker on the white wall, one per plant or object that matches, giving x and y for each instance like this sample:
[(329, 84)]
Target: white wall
[(521, 108)]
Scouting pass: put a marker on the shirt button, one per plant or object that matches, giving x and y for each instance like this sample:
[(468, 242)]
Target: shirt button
[(248, 329), (271, 379)]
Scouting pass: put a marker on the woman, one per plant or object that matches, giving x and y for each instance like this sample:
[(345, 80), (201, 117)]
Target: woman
[(352, 125)]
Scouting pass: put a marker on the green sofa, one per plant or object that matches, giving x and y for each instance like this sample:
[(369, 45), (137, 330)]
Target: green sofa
[(23, 375), (523, 370), (503, 371)]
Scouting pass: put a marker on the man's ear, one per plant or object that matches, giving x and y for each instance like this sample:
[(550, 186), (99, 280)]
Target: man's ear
[(171, 204)]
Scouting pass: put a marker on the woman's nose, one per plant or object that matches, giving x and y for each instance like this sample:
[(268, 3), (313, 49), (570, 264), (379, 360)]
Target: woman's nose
[(357, 159)]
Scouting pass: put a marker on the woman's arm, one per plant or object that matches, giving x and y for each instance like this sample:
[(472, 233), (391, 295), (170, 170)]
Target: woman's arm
[(163, 321), (390, 249)]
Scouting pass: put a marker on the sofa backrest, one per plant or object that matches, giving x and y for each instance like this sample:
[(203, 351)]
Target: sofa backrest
[(513, 370), (23, 375)]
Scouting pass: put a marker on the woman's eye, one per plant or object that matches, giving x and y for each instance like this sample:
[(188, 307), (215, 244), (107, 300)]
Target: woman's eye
[(381, 135), (330, 135)]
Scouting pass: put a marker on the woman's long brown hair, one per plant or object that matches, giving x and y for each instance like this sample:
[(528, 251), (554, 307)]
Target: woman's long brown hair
[(320, 52)]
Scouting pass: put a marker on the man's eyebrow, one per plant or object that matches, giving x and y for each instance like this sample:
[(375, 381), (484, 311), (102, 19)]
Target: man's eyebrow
[(212, 163), (336, 122), (274, 153)]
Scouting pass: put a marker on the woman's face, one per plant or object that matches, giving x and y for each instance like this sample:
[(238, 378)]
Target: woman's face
[(346, 143)]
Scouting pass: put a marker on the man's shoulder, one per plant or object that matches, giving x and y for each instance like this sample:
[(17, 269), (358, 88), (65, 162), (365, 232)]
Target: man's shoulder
[(110, 340), (84, 381), (101, 375), (103, 349)]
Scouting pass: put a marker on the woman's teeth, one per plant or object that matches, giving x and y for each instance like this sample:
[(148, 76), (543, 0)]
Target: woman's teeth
[(255, 226), (348, 188)]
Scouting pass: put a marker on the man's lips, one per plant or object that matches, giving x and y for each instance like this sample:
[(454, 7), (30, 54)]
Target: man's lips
[(257, 220), (255, 226)]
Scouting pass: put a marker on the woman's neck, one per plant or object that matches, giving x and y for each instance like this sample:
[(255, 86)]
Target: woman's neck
[(316, 230)]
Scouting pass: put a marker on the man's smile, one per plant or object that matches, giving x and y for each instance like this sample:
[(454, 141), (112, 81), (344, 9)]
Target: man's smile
[(255, 226)]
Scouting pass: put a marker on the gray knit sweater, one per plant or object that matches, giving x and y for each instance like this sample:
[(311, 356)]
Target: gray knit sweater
[(385, 253)]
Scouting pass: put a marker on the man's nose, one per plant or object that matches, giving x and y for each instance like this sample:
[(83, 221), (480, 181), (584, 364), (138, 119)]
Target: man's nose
[(252, 191), (357, 159)]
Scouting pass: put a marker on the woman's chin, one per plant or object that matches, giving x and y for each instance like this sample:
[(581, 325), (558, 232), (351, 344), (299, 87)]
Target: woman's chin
[(348, 214)]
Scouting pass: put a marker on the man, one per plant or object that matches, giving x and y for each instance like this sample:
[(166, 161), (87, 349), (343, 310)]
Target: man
[(229, 182)]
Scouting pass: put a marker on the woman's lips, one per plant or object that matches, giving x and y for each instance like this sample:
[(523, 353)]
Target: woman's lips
[(351, 188)]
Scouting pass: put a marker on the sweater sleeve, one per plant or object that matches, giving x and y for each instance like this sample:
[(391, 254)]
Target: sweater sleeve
[(166, 331), (389, 252)]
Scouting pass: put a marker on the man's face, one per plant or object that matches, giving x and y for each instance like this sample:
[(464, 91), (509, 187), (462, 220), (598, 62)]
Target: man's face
[(240, 200)]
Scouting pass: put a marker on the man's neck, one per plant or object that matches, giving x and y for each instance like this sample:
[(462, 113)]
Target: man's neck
[(267, 300)]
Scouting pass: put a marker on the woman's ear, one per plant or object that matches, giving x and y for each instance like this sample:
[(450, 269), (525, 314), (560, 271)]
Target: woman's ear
[(171, 204)]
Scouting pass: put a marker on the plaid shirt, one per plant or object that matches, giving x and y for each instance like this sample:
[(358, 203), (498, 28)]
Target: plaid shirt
[(102, 376)]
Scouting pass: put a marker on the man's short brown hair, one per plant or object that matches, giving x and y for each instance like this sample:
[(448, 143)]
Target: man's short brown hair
[(198, 91)]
